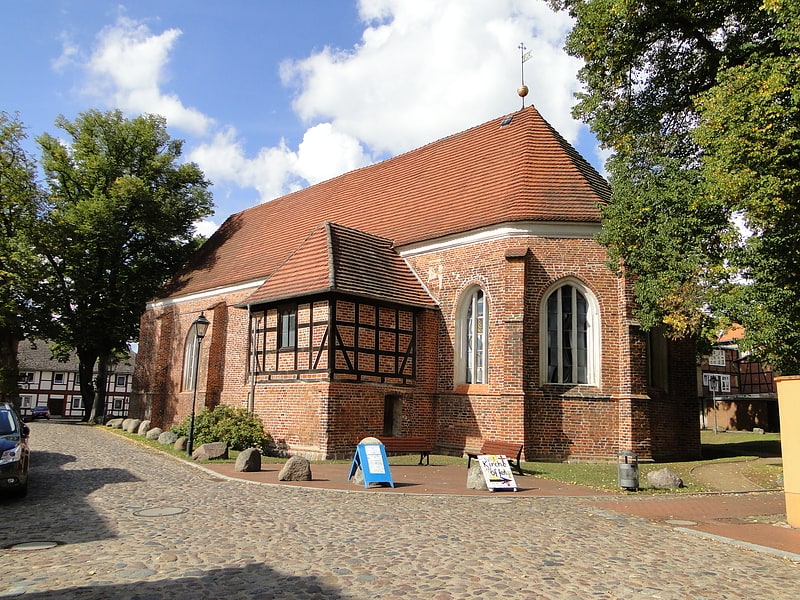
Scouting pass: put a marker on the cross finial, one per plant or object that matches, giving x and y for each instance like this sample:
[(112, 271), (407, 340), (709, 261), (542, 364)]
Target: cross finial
[(522, 91)]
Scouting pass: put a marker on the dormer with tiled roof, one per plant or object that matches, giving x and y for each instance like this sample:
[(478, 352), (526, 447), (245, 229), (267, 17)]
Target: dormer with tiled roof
[(337, 259), (509, 170)]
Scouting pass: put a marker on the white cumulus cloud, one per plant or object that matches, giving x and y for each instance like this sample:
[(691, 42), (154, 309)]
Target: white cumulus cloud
[(422, 70), (127, 69)]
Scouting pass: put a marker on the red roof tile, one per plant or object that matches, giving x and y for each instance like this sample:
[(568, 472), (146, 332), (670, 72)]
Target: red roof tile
[(340, 259), (490, 174)]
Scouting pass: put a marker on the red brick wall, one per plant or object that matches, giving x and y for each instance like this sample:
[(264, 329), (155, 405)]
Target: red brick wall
[(322, 418)]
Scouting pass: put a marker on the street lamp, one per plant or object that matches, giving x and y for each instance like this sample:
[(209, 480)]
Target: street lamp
[(200, 327), (713, 384)]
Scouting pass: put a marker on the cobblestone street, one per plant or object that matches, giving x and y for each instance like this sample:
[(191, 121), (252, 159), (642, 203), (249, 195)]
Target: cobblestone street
[(130, 522)]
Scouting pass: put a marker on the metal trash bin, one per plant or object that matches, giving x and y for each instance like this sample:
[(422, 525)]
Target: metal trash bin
[(628, 470)]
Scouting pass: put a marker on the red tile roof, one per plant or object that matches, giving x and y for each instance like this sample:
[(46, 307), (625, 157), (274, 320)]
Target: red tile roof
[(340, 259), (734, 334), (493, 173)]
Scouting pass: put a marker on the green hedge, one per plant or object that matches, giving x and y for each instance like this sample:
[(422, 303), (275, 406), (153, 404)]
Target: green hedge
[(236, 426)]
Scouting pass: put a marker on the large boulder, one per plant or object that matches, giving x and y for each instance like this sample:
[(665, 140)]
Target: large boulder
[(152, 434), (296, 468), (664, 479), (248, 461), (115, 423), (475, 478), (144, 426), (211, 451), (180, 444), (167, 438), (131, 425)]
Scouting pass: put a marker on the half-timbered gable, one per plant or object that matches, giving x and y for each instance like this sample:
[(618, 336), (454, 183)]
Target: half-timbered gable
[(455, 292), (342, 308)]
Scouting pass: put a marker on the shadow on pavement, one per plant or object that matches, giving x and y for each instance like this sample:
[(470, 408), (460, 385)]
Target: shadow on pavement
[(57, 499), (256, 581)]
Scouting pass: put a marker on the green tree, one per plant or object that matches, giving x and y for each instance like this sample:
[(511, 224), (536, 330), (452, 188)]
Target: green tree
[(19, 197), (750, 131), (660, 79), (119, 221)]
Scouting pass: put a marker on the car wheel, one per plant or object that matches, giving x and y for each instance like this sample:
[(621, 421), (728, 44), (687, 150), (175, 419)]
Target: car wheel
[(21, 491)]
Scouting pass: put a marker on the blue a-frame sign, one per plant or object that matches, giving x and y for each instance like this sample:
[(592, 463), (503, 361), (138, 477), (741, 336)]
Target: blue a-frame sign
[(374, 464)]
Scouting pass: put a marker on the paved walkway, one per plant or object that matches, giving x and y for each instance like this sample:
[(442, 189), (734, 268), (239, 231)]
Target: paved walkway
[(112, 519)]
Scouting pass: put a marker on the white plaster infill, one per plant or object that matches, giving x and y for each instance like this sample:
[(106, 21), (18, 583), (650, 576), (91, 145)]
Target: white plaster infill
[(230, 289), (543, 229)]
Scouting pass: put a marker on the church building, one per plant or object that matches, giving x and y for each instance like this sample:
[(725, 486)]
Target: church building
[(454, 293)]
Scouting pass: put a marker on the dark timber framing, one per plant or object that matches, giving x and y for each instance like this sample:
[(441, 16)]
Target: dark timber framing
[(342, 338)]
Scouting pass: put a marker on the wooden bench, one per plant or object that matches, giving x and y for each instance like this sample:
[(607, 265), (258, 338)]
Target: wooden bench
[(512, 451), (408, 445)]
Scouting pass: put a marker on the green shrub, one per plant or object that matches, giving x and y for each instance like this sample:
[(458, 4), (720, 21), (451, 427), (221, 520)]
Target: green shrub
[(236, 426)]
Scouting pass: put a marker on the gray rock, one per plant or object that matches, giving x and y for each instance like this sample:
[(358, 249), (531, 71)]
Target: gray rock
[(358, 477), (758, 430), (371, 440), (152, 434), (664, 479), (115, 423), (167, 438), (475, 478), (296, 468), (144, 426), (248, 461), (211, 451), (180, 444), (125, 422), (132, 426)]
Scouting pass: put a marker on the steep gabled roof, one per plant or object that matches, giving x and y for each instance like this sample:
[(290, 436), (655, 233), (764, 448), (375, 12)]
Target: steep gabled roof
[(511, 169), (340, 259)]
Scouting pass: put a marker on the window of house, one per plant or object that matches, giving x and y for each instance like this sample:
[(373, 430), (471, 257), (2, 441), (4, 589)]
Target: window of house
[(473, 327), (717, 358), (25, 377), (570, 337), (287, 326), (121, 380), (118, 403), (717, 382), (25, 401), (77, 403), (58, 378)]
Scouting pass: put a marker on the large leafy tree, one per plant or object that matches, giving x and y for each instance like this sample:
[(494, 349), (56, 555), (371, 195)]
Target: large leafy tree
[(19, 197), (119, 221), (662, 88), (750, 131)]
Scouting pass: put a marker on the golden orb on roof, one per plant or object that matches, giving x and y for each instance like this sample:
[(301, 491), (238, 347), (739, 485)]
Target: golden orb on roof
[(522, 91)]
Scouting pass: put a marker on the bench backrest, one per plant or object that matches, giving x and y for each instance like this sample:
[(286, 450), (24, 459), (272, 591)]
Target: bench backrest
[(507, 448)]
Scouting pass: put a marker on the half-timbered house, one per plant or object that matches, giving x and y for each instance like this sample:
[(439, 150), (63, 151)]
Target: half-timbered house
[(455, 292), (45, 381)]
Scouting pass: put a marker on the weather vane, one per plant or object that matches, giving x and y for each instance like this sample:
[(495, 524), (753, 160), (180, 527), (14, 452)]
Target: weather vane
[(524, 56)]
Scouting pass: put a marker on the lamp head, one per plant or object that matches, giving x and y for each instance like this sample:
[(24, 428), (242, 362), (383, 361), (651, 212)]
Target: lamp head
[(201, 326)]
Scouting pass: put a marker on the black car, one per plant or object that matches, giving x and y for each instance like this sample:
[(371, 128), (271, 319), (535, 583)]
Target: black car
[(40, 412), (14, 451)]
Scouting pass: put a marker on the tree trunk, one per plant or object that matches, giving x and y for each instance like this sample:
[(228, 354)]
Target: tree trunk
[(99, 400), (86, 362), (9, 367)]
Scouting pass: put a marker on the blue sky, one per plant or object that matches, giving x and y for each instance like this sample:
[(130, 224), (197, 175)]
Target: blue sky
[(272, 95)]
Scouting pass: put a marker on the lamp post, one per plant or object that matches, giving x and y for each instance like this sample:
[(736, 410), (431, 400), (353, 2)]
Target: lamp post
[(200, 327), (713, 383)]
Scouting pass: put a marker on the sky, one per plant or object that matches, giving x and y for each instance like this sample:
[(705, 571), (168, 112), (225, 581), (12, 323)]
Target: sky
[(271, 96)]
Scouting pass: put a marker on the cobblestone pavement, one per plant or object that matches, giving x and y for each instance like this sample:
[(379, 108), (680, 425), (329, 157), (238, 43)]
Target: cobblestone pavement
[(130, 522)]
